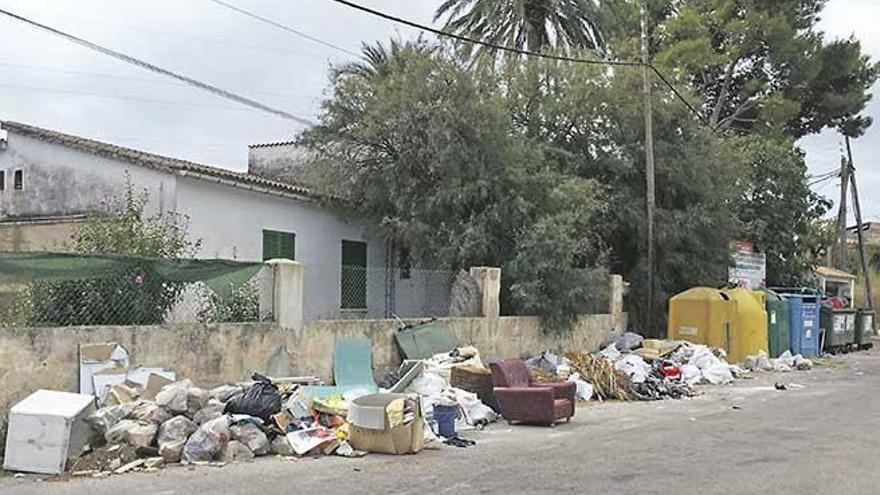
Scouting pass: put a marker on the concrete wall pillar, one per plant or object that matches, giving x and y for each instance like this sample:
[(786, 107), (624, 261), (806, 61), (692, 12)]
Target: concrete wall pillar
[(489, 281), (286, 284), (616, 303)]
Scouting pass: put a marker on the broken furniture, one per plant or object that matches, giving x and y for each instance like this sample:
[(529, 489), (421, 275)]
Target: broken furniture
[(525, 400), (352, 369)]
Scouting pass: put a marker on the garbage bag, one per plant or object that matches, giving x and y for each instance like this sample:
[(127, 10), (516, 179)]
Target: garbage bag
[(260, 400), (635, 368), (611, 353), (718, 374), (134, 433), (584, 389), (690, 374), (105, 418), (174, 396), (628, 341), (173, 435), (250, 435), (207, 441), (475, 412), (546, 361)]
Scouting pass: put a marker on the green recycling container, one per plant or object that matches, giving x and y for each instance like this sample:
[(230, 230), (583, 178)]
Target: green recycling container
[(838, 328), (778, 323), (864, 329)]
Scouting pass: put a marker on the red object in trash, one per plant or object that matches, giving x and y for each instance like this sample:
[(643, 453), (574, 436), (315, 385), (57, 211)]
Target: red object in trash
[(670, 369)]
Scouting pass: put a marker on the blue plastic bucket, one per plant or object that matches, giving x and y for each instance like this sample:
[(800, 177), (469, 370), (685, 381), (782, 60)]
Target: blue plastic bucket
[(445, 417)]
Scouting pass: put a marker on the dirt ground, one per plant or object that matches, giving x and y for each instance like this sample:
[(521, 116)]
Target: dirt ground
[(817, 437)]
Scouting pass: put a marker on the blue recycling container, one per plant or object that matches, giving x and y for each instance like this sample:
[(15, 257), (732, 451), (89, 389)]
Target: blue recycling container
[(804, 304)]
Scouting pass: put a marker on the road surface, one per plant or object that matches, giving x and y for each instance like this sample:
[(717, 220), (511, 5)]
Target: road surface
[(745, 438)]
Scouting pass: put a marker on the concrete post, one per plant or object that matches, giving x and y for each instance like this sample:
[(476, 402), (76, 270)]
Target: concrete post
[(489, 281), (287, 293), (616, 303)]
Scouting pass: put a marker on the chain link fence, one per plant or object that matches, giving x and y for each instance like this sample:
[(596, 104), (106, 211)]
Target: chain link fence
[(130, 296), (385, 292)]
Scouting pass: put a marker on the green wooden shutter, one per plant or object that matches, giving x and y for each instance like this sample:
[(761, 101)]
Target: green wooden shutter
[(354, 275), (278, 245)]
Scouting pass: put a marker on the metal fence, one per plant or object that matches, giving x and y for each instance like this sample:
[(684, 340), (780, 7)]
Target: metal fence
[(126, 300), (385, 292)]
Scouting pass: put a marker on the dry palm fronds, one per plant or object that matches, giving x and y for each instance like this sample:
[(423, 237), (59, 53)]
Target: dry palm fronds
[(607, 382)]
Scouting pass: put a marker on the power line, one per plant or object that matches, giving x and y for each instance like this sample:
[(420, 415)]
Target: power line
[(529, 53), (284, 27), (129, 78), (159, 70), (123, 97)]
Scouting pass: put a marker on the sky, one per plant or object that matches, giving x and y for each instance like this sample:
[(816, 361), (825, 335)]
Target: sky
[(50, 82)]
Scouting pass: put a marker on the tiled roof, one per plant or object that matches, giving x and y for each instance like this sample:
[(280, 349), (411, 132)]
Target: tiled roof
[(271, 145), (156, 162)]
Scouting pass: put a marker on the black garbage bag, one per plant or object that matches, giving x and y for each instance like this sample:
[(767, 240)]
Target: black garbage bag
[(260, 400)]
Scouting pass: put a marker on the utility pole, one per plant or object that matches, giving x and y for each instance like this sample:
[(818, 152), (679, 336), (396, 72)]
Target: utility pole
[(869, 297), (842, 261), (649, 155)]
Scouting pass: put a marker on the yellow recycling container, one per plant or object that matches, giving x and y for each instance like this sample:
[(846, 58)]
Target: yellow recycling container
[(748, 324), (700, 315)]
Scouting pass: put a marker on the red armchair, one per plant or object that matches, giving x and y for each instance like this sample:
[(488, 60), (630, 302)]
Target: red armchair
[(525, 400)]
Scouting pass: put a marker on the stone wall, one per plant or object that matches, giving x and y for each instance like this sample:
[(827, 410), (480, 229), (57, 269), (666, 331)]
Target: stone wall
[(34, 358)]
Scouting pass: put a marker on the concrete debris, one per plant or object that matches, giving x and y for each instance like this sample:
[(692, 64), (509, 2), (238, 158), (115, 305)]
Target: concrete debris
[(174, 397), (225, 392), (207, 442), (134, 433), (251, 435), (131, 465), (105, 418), (280, 446), (149, 411), (173, 435), (235, 451), (196, 399), (213, 409)]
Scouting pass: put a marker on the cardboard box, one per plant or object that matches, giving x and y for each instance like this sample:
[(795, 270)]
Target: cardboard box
[(108, 359), (406, 438), (46, 429)]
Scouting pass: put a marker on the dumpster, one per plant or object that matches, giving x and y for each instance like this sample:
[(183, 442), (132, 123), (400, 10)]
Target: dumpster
[(838, 328), (864, 329), (804, 306), (748, 324), (700, 315), (778, 322)]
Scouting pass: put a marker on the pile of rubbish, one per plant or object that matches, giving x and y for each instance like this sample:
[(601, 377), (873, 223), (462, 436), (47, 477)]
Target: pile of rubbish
[(633, 368), (785, 363), (185, 423)]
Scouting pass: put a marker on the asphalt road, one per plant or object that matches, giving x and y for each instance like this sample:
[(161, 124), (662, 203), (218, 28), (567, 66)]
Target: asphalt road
[(746, 438)]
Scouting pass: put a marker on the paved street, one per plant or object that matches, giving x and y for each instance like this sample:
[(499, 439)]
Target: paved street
[(746, 438)]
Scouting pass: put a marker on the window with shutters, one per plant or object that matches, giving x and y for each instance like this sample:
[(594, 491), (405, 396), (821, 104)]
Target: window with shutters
[(278, 244), (354, 275)]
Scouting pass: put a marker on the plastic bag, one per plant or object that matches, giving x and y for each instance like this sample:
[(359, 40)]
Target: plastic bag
[(475, 412), (628, 341), (260, 400), (635, 367), (546, 361), (172, 437), (611, 353), (584, 389), (207, 441), (691, 375), (718, 374)]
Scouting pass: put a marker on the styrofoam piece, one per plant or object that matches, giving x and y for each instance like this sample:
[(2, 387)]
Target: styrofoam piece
[(45, 429)]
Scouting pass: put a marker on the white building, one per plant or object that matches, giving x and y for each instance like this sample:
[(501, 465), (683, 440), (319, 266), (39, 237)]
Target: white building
[(50, 180)]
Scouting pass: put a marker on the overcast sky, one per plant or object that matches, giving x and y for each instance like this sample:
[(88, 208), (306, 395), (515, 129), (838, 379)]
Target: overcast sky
[(50, 82)]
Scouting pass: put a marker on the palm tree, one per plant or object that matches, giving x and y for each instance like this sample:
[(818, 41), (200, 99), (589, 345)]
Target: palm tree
[(526, 24)]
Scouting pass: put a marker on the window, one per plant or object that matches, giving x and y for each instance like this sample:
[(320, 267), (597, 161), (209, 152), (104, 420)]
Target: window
[(279, 245), (2, 180), (354, 275), (17, 180)]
